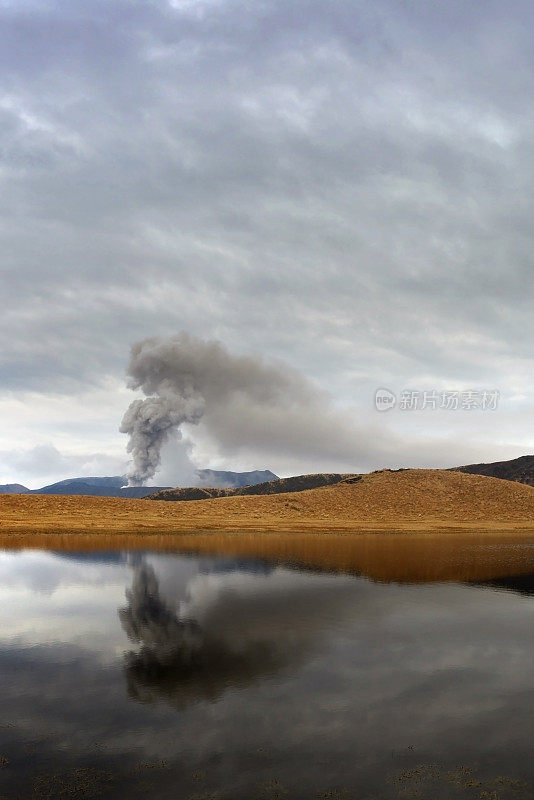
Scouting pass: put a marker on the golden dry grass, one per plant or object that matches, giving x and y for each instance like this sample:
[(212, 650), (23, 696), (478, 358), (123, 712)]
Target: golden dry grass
[(407, 500)]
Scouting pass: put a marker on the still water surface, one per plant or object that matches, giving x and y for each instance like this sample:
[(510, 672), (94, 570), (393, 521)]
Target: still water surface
[(184, 676)]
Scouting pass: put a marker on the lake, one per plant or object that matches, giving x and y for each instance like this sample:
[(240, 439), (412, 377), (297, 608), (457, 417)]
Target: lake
[(405, 674)]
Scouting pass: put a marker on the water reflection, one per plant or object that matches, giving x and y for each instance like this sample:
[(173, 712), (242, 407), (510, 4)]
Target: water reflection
[(235, 625), (179, 661), (521, 584), (235, 678), (473, 556)]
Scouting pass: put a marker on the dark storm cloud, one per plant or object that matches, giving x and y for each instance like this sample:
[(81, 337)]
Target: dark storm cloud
[(346, 185)]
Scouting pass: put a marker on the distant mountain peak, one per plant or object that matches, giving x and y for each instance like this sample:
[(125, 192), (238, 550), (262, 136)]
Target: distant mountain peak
[(232, 480), (14, 488)]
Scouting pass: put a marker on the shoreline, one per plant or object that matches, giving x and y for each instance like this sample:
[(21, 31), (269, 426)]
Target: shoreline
[(156, 530)]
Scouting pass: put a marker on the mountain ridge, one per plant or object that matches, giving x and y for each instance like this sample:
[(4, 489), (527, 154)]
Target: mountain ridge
[(519, 469), (114, 485), (297, 483), (14, 488)]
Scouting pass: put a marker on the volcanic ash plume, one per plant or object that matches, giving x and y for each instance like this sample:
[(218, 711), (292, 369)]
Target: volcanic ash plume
[(186, 378), (245, 406), (149, 423)]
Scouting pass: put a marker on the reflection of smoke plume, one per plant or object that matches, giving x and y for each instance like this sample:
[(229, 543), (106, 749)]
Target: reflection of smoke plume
[(233, 629), (177, 661), (149, 620), (243, 403)]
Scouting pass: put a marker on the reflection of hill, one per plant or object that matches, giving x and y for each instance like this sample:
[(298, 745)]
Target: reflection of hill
[(519, 584), (406, 558), (403, 558)]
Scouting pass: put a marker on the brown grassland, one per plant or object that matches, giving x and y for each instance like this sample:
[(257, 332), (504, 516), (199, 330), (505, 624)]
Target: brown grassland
[(405, 501)]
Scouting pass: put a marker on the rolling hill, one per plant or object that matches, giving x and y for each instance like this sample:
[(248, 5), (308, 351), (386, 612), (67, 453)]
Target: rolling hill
[(520, 470), (298, 483), (406, 500)]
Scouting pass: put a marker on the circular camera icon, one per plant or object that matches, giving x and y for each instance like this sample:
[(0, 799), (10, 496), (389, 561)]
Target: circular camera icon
[(384, 400)]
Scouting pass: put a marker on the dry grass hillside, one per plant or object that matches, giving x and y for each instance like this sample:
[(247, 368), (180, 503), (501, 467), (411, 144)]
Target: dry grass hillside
[(406, 500), (297, 483)]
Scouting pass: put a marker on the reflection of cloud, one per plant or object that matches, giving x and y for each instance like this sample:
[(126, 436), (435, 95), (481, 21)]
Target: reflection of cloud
[(220, 564), (179, 682), (92, 558), (37, 571)]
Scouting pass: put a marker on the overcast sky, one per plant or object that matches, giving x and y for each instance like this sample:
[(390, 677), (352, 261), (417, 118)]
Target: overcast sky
[(347, 187)]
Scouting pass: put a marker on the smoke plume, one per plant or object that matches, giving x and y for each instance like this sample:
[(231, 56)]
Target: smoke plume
[(183, 378), (149, 424), (243, 406)]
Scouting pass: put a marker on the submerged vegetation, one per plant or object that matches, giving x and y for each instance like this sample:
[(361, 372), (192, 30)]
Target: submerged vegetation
[(422, 782)]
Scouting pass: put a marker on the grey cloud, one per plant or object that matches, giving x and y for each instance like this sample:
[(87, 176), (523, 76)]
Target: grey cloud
[(44, 464), (246, 407), (346, 186)]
